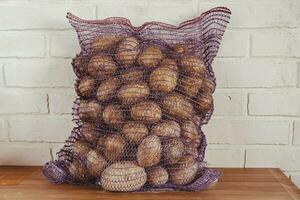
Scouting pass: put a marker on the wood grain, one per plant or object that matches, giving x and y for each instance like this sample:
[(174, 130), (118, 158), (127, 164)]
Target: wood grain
[(27, 183)]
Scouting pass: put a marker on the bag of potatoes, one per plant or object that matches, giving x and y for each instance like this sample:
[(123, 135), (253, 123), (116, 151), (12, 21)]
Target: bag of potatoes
[(143, 95)]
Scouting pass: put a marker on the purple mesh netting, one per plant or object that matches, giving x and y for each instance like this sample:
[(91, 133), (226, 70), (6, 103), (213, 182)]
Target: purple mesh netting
[(94, 134)]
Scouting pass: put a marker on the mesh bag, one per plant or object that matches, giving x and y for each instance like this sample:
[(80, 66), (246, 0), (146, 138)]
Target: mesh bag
[(143, 95)]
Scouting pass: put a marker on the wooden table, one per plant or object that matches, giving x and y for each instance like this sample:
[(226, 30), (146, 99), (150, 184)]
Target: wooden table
[(18, 183)]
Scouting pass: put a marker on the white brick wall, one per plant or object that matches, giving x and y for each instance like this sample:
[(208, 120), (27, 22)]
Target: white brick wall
[(257, 111)]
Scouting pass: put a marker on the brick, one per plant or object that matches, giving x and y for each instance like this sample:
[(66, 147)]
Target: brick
[(45, 16), (234, 44), (252, 15), (274, 103), (270, 44), (42, 74), (16, 101), (228, 103), (64, 46), (226, 131), (2, 80), (296, 139), (295, 177), (284, 158), (61, 102), (3, 130), (24, 154), (40, 128), (22, 45), (252, 73), (224, 157), (295, 50)]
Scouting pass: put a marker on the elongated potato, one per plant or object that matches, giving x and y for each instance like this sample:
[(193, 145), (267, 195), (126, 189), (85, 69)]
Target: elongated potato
[(80, 148), (208, 86), (190, 134), (114, 147), (101, 67), (133, 93), (190, 85), (132, 75), (107, 89), (105, 42), (135, 131), (204, 102), (95, 163), (124, 176), (127, 51), (86, 86), (163, 79), (147, 112), (172, 150), (149, 151), (150, 57), (157, 176), (166, 129), (192, 65), (178, 106), (90, 111), (113, 116), (89, 133)]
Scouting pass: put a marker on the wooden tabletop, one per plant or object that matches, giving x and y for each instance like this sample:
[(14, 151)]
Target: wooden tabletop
[(20, 183)]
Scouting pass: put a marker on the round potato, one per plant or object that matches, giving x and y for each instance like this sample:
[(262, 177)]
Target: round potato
[(208, 86), (86, 86), (135, 132), (127, 51), (178, 106), (190, 85), (114, 147), (80, 148), (163, 79), (124, 176), (78, 171), (149, 151), (147, 112), (192, 65), (95, 163), (190, 134), (157, 176), (132, 75), (172, 150), (105, 42), (89, 133), (101, 67), (150, 57), (168, 63), (107, 89), (204, 103), (133, 93), (90, 111), (166, 129), (191, 150), (185, 171), (113, 116)]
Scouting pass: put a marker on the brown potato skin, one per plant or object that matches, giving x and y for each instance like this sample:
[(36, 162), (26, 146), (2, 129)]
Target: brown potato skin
[(150, 57), (192, 65), (86, 86), (133, 92), (163, 79), (204, 103), (190, 85), (90, 111), (135, 131), (208, 86), (172, 150), (127, 51), (190, 134), (180, 48), (78, 171), (107, 89), (146, 111), (157, 176), (166, 129), (114, 147), (80, 148), (132, 75), (178, 106), (95, 163), (101, 67), (105, 42), (113, 115), (89, 133), (149, 151)]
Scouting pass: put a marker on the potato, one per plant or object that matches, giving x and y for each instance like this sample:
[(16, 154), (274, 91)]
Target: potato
[(149, 151), (172, 150), (183, 172), (107, 89), (90, 111), (166, 129), (78, 171), (114, 147), (163, 79), (113, 116), (147, 112), (133, 93), (190, 134), (191, 150), (86, 86), (89, 133), (208, 86), (180, 48), (190, 85), (204, 103), (197, 120), (157, 176), (178, 106), (169, 63), (150, 57), (101, 143), (101, 67), (135, 132), (105, 42), (80, 148), (132, 75), (192, 65), (95, 163), (127, 51), (124, 176)]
